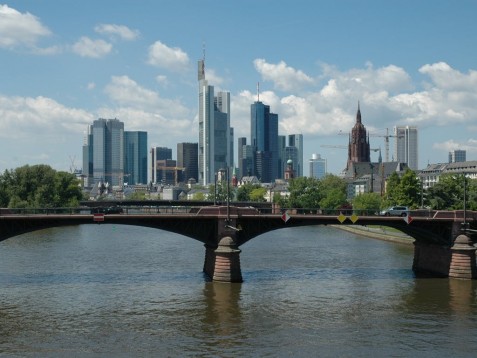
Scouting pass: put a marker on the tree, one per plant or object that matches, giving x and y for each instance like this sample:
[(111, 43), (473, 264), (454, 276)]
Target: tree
[(39, 186), (258, 194), (367, 203), (403, 191)]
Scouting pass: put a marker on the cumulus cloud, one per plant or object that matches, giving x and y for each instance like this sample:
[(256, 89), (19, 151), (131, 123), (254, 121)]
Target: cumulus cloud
[(470, 146), (20, 29), (141, 108), (37, 115), (283, 76), (171, 58), (121, 31), (86, 47)]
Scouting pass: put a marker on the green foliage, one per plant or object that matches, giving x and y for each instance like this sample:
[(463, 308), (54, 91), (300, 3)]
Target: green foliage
[(199, 196), (448, 193), (137, 195), (403, 191), (38, 186), (311, 193), (251, 192), (221, 193), (367, 203)]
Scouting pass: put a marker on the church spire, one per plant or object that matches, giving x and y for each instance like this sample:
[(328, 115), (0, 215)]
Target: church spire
[(358, 115)]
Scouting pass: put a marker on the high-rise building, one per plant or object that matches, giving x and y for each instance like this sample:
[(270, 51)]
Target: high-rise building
[(158, 153), (457, 155), (135, 157), (241, 142), (88, 158), (358, 146), (290, 156), (282, 160), (406, 146), (264, 140), (187, 158), (296, 140), (317, 166), (108, 151), (214, 129)]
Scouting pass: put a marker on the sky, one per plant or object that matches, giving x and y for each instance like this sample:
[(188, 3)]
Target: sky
[(66, 63)]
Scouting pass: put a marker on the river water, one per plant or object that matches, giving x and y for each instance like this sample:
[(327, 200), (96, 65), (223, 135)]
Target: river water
[(112, 290)]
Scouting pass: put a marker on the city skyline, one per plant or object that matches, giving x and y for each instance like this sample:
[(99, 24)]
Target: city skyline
[(407, 63)]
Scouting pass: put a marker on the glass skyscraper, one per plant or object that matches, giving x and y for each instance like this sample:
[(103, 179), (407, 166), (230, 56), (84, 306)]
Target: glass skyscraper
[(214, 129), (317, 166), (135, 158), (406, 146), (187, 158), (108, 151), (264, 140)]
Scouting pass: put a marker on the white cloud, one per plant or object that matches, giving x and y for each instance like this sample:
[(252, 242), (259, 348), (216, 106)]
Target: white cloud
[(283, 77), (470, 146), (171, 58), (124, 32), (20, 29), (144, 109), (85, 47), (26, 116)]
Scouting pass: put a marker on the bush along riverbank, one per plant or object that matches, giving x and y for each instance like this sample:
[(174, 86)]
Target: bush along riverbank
[(378, 232)]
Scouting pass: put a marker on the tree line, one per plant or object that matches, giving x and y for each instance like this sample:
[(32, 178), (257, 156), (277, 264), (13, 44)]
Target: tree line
[(39, 186)]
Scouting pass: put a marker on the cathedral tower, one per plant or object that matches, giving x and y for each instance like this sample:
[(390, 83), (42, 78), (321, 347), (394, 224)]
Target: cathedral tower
[(358, 147)]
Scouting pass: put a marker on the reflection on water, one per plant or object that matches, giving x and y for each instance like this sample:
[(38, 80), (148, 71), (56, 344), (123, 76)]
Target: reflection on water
[(118, 290)]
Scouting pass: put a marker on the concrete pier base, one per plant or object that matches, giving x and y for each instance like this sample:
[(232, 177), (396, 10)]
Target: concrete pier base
[(223, 263), (463, 262)]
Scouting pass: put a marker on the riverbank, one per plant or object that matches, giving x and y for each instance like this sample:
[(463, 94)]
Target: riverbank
[(378, 232)]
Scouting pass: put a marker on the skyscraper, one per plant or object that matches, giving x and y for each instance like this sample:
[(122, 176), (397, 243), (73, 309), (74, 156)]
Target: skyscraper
[(264, 140), (187, 158), (135, 157), (88, 158), (406, 146), (296, 140), (317, 166), (157, 154), (214, 129), (108, 151), (457, 155)]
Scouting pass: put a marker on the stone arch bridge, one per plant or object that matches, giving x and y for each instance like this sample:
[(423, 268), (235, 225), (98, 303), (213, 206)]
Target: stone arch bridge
[(441, 248)]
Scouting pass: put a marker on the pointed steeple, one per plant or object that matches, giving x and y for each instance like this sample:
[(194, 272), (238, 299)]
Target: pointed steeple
[(358, 115)]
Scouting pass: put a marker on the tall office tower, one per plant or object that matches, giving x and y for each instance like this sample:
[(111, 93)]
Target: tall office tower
[(135, 157), (88, 158), (158, 153), (317, 166), (264, 140), (290, 154), (214, 129), (282, 160), (457, 155), (406, 146), (187, 158), (241, 142), (358, 146), (296, 140), (108, 151), (248, 160)]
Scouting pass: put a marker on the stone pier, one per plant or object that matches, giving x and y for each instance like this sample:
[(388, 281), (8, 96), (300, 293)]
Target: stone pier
[(463, 259), (431, 259), (223, 263)]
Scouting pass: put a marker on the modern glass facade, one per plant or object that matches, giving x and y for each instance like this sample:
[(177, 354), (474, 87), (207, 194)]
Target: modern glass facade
[(187, 158), (157, 154), (296, 140), (264, 140), (406, 146), (108, 151), (317, 166), (135, 158), (214, 130)]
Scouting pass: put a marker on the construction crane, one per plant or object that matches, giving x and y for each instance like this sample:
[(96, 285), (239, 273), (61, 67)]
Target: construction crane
[(386, 141)]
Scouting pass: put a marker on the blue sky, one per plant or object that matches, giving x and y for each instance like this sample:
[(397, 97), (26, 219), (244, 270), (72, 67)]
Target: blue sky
[(67, 63)]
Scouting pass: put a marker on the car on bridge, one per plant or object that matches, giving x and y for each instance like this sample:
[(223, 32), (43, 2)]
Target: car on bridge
[(395, 211)]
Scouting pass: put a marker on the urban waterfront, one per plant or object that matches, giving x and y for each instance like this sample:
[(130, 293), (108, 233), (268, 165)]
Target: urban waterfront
[(99, 290)]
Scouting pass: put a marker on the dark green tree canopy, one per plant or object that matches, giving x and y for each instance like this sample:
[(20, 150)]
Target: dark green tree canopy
[(38, 186)]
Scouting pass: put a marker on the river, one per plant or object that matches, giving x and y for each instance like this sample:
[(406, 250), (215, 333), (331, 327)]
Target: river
[(112, 290)]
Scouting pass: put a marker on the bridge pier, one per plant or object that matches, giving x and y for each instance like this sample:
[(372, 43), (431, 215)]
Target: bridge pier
[(463, 259), (223, 263), (431, 259)]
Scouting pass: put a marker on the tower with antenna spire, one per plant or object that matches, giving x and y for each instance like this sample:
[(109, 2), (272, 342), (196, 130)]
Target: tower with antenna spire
[(215, 138)]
